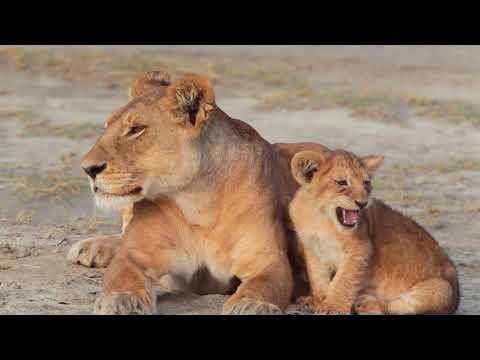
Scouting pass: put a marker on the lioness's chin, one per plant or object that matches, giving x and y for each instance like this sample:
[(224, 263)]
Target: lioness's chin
[(112, 203)]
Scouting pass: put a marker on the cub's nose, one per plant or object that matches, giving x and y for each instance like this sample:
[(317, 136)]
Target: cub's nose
[(94, 170), (361, 205)]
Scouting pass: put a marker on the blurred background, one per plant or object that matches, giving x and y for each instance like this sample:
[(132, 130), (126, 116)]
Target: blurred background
[(418, 105)]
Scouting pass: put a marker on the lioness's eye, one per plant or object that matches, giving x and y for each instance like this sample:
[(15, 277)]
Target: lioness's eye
[(342, 182), (134, 130), (368, 185)]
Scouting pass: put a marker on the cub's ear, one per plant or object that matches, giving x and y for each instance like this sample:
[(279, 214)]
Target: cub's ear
[(305, 164), (153, 80), (191, 99), (373, 162)]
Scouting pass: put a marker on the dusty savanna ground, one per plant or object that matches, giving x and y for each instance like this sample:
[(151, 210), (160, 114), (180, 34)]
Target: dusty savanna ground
[(418, 105)]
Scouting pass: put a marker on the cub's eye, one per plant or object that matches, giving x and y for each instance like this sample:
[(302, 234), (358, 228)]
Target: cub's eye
[(136, 130), (342, 182)]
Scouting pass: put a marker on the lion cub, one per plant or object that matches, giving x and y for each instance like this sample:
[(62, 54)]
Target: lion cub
[(360, 254)]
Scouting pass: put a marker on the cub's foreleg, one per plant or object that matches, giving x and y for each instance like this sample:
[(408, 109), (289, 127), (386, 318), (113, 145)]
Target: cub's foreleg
[(348, 281), (319, 277)]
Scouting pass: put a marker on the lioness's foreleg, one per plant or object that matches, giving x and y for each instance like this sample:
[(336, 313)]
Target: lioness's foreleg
[(262, 295), (128, 286), (266, 282)]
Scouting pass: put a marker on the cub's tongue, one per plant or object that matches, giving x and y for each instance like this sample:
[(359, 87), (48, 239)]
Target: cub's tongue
[(350, 216)]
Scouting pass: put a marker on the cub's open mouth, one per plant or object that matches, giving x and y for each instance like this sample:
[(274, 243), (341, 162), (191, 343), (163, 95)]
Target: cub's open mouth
[(348, 218)]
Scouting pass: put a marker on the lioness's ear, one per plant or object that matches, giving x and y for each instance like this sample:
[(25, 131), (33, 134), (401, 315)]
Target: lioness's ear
[(305, 164), (191, 99), (153, 80), (373, 162)]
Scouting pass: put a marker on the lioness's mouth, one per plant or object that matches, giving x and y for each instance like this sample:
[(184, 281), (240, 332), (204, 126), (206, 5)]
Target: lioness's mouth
[(348, 218), (135, 191)]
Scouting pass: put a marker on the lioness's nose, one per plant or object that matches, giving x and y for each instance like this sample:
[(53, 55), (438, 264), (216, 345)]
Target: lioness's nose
[(94, 170), (361, 205)]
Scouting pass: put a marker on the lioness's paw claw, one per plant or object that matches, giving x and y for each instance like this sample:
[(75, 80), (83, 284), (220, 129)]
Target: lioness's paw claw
[(123, 304), (252, 308), (91, 253)]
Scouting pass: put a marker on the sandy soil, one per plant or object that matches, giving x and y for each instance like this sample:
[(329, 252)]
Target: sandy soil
[(48, 120)]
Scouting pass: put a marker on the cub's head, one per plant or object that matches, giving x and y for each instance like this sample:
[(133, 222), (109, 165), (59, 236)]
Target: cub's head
[(338, 186), (150, 147)]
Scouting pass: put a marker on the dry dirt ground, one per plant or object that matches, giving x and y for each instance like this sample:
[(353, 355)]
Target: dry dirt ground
[(418, 105)]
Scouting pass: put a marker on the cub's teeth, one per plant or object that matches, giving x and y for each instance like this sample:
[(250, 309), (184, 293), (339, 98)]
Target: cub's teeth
[(344, 215)]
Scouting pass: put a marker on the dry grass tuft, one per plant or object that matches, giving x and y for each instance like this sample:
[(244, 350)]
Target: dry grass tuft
[(23, 217), (289, 80), (57, 184), (449, 165), (373, 105), (35, 125)]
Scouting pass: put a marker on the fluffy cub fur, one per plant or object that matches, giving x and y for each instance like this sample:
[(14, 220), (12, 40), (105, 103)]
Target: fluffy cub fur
[(362, 256)]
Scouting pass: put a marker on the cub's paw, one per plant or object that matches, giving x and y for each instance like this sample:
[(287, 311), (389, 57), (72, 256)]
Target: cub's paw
[(326, 308), (92, 252), (309, 302), (323, 307), (251, 307), (368, 305), (123, 304)]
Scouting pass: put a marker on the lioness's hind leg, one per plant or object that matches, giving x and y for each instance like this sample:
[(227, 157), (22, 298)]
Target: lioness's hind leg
[(433, 296), (94, 252)]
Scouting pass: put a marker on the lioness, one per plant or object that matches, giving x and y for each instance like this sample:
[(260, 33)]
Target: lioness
[(359, 253), (204, 200)]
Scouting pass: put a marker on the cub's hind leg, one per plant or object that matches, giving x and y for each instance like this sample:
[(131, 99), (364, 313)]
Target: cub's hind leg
[(433, 297)]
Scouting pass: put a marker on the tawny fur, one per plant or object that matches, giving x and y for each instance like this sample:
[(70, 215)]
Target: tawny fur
[(212, 214), (386, 264), (150, 81)]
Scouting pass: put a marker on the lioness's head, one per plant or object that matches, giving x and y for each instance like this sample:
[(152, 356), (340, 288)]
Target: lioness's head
[(150, 146), (338, 186)]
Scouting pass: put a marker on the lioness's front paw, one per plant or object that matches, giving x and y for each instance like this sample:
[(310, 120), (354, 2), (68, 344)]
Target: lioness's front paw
[(252, 307), (92, 253), (123, 304)]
